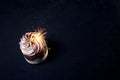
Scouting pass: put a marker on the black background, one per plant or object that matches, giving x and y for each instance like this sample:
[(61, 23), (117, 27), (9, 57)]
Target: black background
[(83, 36)]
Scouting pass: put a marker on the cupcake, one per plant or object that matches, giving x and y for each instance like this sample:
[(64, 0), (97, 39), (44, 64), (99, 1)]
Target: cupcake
[(34, 47)]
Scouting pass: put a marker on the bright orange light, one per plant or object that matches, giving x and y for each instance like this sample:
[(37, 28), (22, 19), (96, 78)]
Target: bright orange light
[(38, 37)]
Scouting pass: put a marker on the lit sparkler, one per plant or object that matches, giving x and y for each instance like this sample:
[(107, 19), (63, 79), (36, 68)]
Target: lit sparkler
[(34, 47)]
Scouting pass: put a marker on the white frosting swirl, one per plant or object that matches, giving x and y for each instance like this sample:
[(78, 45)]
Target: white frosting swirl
[(32, 43)]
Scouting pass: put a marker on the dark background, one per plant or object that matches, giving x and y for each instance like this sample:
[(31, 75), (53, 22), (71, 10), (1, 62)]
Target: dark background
[(83, 36)]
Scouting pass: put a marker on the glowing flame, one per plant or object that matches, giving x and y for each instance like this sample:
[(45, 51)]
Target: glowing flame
[(38, 38)]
